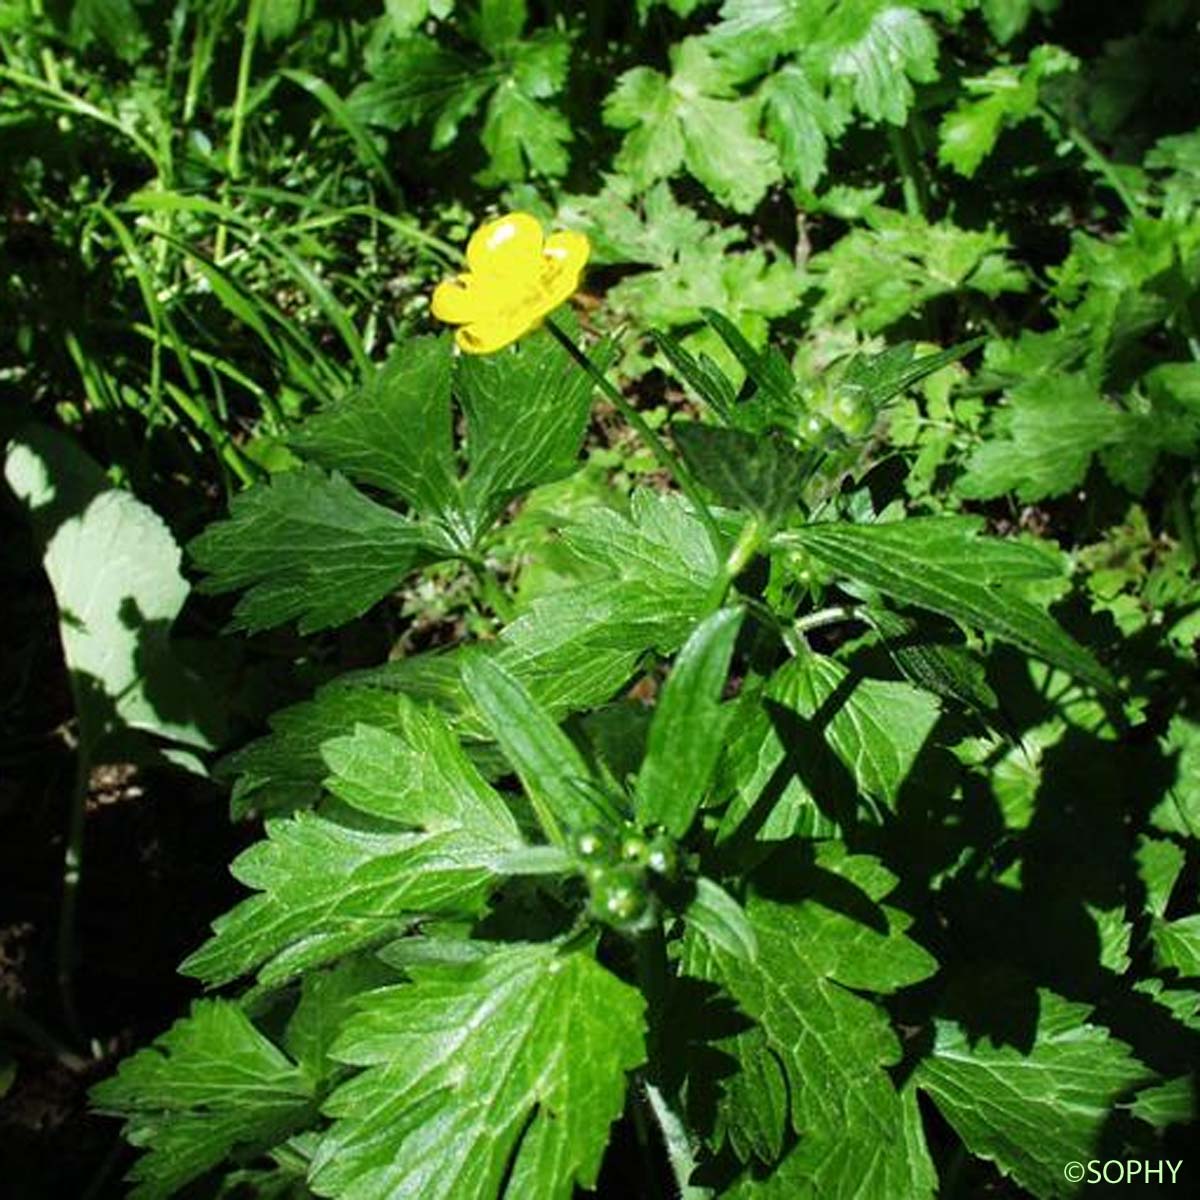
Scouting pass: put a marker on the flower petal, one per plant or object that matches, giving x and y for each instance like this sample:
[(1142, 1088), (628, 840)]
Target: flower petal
[(459, 300), (510, 245), (486, 337), (568, 249)]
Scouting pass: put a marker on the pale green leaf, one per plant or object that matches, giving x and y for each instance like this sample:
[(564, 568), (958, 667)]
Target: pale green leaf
[(115, 571), (1043, 449), (693, 120), (1003, 98)]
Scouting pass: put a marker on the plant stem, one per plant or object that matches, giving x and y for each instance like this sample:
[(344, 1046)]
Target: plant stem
[(493, 593), (250, 37), (654, 980), (662, 455), (916, 199), (1098, 162), (72, 874), (833, 615), (679, 1146), (33, 1031), (744, 549)]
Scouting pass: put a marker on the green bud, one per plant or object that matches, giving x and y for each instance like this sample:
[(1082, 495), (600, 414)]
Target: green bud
[(663, 858), (852, 413), (635, 849), (618, 897), (592, 845)]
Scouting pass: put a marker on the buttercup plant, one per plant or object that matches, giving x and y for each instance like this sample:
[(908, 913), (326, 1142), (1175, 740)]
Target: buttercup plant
[(743, 728), (499, 908)]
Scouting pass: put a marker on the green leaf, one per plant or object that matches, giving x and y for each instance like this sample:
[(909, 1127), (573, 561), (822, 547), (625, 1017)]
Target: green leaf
[(114, 568), (758, 472), (285, 769), (752, 1109), (327, 998), (417, 777), (1007, 95), (875, 729), (701, 374), (550, 767), (484, 1079), (211, 1083), (688, 728), (1177, 945), (879, 274), (856, 1137), (941, 563), (523, 137), (310, 548), (527, 411), (877, 47), (854, 1170), (328, 888), (932, 661), (421, 82), (395, 431), (769, 369), (280, 18), (1031, 1110), (645, 583), (1007, 18), (1053, 429), (113, 22), (721, 921), (692, 121), (880, 377), (799, 120), (1159, 863), (1179, 811), (862, 54), (1166, 1104)]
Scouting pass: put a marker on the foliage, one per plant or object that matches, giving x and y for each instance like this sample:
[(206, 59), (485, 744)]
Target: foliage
[(796, 785)]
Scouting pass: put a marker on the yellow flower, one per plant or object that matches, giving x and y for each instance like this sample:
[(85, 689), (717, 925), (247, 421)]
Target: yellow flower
[(516, 275)]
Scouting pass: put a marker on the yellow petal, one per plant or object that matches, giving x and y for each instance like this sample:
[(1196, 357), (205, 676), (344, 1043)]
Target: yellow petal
[(486, 337), (568, 249), (458, 300), (510, 245)]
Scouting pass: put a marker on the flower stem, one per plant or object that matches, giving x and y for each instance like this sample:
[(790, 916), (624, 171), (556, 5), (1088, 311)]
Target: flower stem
[(665, 459)]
